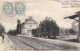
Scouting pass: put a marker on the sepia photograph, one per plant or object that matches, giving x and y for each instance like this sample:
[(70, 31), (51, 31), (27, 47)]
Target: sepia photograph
[(39, 25)]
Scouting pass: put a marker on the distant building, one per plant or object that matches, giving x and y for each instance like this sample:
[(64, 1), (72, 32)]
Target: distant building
[(27, 26), (75, 26), (64, 31)]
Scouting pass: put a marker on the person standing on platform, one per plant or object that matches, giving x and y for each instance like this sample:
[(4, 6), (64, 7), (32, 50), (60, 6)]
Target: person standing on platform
[(3, 36)]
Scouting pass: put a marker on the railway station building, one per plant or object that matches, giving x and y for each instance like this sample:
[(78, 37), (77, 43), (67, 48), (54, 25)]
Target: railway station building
[(27, 26)]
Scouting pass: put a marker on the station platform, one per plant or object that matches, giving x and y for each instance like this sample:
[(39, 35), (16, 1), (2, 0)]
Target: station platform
[(7, 45), (1, 44)]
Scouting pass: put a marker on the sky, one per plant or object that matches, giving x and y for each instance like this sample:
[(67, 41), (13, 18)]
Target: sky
[(38, 9)]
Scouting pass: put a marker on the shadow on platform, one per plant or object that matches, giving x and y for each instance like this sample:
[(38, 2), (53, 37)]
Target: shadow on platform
[(72, 40)]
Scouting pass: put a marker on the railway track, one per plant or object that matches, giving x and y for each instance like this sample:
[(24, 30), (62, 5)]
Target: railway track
[(61, 47), (16, 43), (45, 47), (51, 45), (26, 44), (21, 45), (37, 44)]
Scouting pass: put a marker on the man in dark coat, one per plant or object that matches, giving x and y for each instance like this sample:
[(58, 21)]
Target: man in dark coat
[(3, 36)]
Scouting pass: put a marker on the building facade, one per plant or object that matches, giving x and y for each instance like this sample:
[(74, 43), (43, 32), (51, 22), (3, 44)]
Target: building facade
[(75, 26), (27, 26)]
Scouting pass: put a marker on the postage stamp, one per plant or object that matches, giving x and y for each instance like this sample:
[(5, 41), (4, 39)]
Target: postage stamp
[(19, 8), (14, 8), (8, 8)]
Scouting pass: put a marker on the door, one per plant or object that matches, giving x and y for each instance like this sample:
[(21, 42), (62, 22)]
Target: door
[(29, 33)]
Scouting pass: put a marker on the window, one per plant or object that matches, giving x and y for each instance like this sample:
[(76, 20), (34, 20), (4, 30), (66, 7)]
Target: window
[(30, 25)]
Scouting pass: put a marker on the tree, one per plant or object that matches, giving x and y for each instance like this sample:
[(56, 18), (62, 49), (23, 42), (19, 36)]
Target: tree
[(71, 31), (18, 26), (18, 21), (49, 25), (1, 28), (77, 14)]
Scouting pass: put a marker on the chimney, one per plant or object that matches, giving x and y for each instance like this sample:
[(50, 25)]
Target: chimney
[(30, 17)]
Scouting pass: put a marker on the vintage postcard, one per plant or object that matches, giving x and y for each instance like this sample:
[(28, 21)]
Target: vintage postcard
[(39, 25)]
